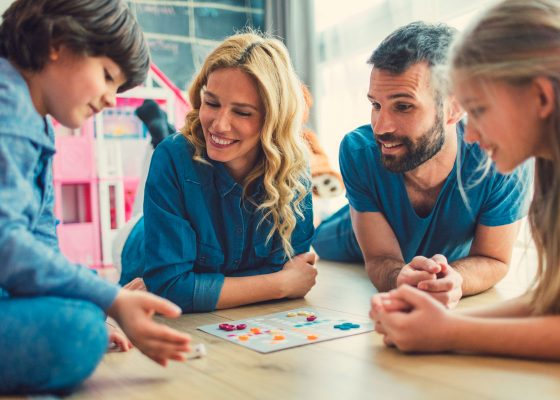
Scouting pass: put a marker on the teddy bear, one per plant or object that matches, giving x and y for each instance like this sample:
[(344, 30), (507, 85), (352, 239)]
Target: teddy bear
[(326, 181)]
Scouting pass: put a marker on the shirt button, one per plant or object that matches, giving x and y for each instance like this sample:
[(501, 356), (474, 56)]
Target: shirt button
[(239, 230), (236, 261)]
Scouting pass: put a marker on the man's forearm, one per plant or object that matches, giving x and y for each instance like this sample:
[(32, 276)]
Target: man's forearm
[(479, 273), (383, 272)]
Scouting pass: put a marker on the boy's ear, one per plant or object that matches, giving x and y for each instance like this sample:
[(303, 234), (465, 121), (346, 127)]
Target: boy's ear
[(454, 111), (546, 96), (54, 52)]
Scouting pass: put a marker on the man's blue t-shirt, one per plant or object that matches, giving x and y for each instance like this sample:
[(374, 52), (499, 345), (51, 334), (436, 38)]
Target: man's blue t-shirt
[(493, 199)]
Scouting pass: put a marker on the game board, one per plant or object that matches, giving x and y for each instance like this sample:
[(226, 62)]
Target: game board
[(287, 329)]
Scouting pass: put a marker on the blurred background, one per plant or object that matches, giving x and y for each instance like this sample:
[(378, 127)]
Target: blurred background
[(329, 42)]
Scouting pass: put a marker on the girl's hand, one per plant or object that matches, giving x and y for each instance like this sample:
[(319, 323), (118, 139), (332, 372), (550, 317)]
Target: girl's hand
[(298, 275), (383, 302), (425, 326), (133, 310)]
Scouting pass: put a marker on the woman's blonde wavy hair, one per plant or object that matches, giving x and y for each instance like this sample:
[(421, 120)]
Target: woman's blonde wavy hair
[(517, 41), (283, 162)]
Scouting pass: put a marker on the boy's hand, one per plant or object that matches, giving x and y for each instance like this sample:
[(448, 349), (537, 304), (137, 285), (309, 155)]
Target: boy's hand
[(133, 310), (117, 339)]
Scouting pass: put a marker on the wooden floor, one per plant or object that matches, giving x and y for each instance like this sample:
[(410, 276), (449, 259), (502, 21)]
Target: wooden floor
[(357, 367)]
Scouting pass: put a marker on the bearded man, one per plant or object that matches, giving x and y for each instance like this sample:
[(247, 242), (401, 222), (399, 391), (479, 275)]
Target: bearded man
[(422, 210)]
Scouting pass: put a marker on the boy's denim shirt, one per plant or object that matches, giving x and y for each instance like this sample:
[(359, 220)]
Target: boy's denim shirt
[(198, 229), (30, 261)]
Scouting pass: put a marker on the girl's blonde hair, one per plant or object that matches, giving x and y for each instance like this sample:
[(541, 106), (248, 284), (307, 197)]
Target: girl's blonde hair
[(283, 159), (516, 41)]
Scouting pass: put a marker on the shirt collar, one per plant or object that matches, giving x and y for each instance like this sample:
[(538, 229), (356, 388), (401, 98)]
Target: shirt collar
[(224, 181)]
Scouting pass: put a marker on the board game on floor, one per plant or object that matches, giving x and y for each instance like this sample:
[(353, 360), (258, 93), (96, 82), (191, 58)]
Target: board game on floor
[(287, 329)]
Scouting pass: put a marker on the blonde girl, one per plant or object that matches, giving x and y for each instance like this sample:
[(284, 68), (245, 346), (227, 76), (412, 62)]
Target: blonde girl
[(505, 72)]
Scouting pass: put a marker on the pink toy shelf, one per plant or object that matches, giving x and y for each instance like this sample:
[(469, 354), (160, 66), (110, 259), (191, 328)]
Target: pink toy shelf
[(97, 170), (76, 199)]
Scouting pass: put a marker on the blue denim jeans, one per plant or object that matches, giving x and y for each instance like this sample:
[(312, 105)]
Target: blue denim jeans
[(335, 240), (48, 344)]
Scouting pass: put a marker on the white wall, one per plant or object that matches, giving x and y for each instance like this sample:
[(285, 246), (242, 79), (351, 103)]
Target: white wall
[(3, 5)]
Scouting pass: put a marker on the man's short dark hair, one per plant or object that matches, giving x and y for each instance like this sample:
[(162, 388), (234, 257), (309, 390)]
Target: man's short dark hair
[(411, 44)]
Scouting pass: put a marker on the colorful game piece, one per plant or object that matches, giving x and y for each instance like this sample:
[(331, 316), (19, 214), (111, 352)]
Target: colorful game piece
[(226, 327), (278, 331), (198, 351), (240, 327), (346, 326), (291, 314)]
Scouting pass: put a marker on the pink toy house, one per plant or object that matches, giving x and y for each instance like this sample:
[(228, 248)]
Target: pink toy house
[(97, 168)]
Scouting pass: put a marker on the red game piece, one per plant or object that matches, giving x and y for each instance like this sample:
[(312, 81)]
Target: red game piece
[(311, 318), (226, 327), (240, 327)]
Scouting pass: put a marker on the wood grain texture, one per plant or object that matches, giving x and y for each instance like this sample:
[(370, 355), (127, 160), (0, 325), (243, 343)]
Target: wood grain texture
[(356, 367)]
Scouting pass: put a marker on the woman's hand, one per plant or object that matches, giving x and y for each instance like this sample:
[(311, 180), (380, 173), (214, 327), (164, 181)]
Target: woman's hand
[(136, 284), (298, 275)]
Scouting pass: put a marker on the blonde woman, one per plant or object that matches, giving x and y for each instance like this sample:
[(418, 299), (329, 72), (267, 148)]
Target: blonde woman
[(506, 73), (227, 208)]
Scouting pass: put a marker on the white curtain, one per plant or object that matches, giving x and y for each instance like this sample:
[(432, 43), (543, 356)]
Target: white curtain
[(293, 22)]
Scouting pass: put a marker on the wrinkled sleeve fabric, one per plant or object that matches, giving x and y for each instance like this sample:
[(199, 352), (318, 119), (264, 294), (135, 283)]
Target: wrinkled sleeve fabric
[(32, 264)]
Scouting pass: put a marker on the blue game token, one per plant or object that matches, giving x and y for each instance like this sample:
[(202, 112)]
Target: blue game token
[(346, 326)]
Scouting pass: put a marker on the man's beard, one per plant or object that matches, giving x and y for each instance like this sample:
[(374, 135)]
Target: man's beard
[(418, 152)]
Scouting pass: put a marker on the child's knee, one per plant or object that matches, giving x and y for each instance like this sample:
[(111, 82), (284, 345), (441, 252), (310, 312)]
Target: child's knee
[(86, 343), (77, 344)]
